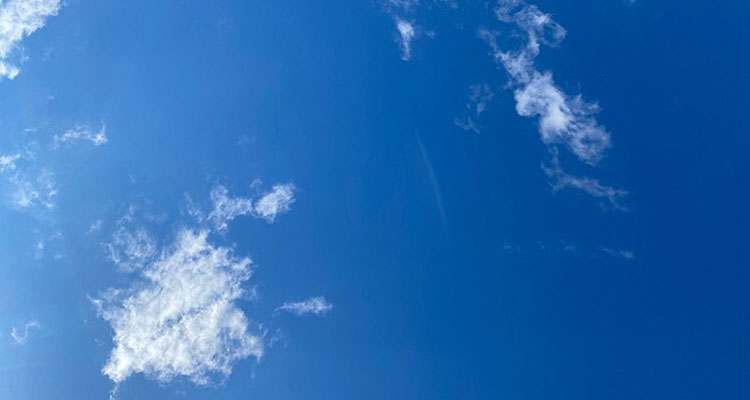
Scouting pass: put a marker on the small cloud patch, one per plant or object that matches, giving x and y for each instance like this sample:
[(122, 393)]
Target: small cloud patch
[(312, 306)]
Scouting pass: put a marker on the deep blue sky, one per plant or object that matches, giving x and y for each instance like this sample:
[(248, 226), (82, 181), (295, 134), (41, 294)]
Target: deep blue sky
[(455, 268)]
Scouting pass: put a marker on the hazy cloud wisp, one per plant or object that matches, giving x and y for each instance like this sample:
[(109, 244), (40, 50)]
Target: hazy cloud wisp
[(314, 305)]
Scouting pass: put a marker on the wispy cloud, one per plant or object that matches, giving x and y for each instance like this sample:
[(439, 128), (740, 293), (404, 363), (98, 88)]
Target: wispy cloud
[(591, 186), (182, 319), (406, 33), (276, 202), (402, 4), (480, 95), (31, 192), (314, 305), (619, 253), (19, 19), (563, 119), (8, 162), (131, 246), (97, 137), (95, 226), (131, 249), (20, 334), (226, 208)]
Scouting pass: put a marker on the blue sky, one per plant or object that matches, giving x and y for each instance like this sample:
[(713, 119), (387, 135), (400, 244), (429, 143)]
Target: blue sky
[(415, 199)]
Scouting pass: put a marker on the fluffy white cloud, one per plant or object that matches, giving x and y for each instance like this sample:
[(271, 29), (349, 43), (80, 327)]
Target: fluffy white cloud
[(97, 137), (406, 33), (563, 119), (20, 334), (314, 305), (182, 319), (18, 19), (275, 202)]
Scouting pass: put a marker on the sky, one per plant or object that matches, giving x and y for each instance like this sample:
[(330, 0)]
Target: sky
[(411, 199)]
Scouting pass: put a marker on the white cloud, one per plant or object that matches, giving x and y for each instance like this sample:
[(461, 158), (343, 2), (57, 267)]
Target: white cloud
[(623, 254), (29, 192), (18, 19), (182, 320), (95, 226), (8, 162), (406, 33), (591, 186), (20, 334), (97, 137), (226, 208), (563, 119), (131, 249), (275, 202), (314, 305)]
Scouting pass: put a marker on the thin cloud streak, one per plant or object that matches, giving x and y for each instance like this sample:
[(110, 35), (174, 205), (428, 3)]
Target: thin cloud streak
[(435, 185), (591, 186), (314, 305), (97, 137)]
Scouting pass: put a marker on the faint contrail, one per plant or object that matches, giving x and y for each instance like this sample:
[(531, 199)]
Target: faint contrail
[(435, 186)]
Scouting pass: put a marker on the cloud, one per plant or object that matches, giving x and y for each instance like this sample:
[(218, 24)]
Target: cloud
[(479, 96), (563, 119), (226, 208), (20, 334), (314, 305), (468, 124), (131, 249), (405, 5), (406, 33), (562, 180), (97, 137), (8, 162), (275, 202), (95, 226), (19, 19), (182, 319), (34, 192), (623, 254)]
